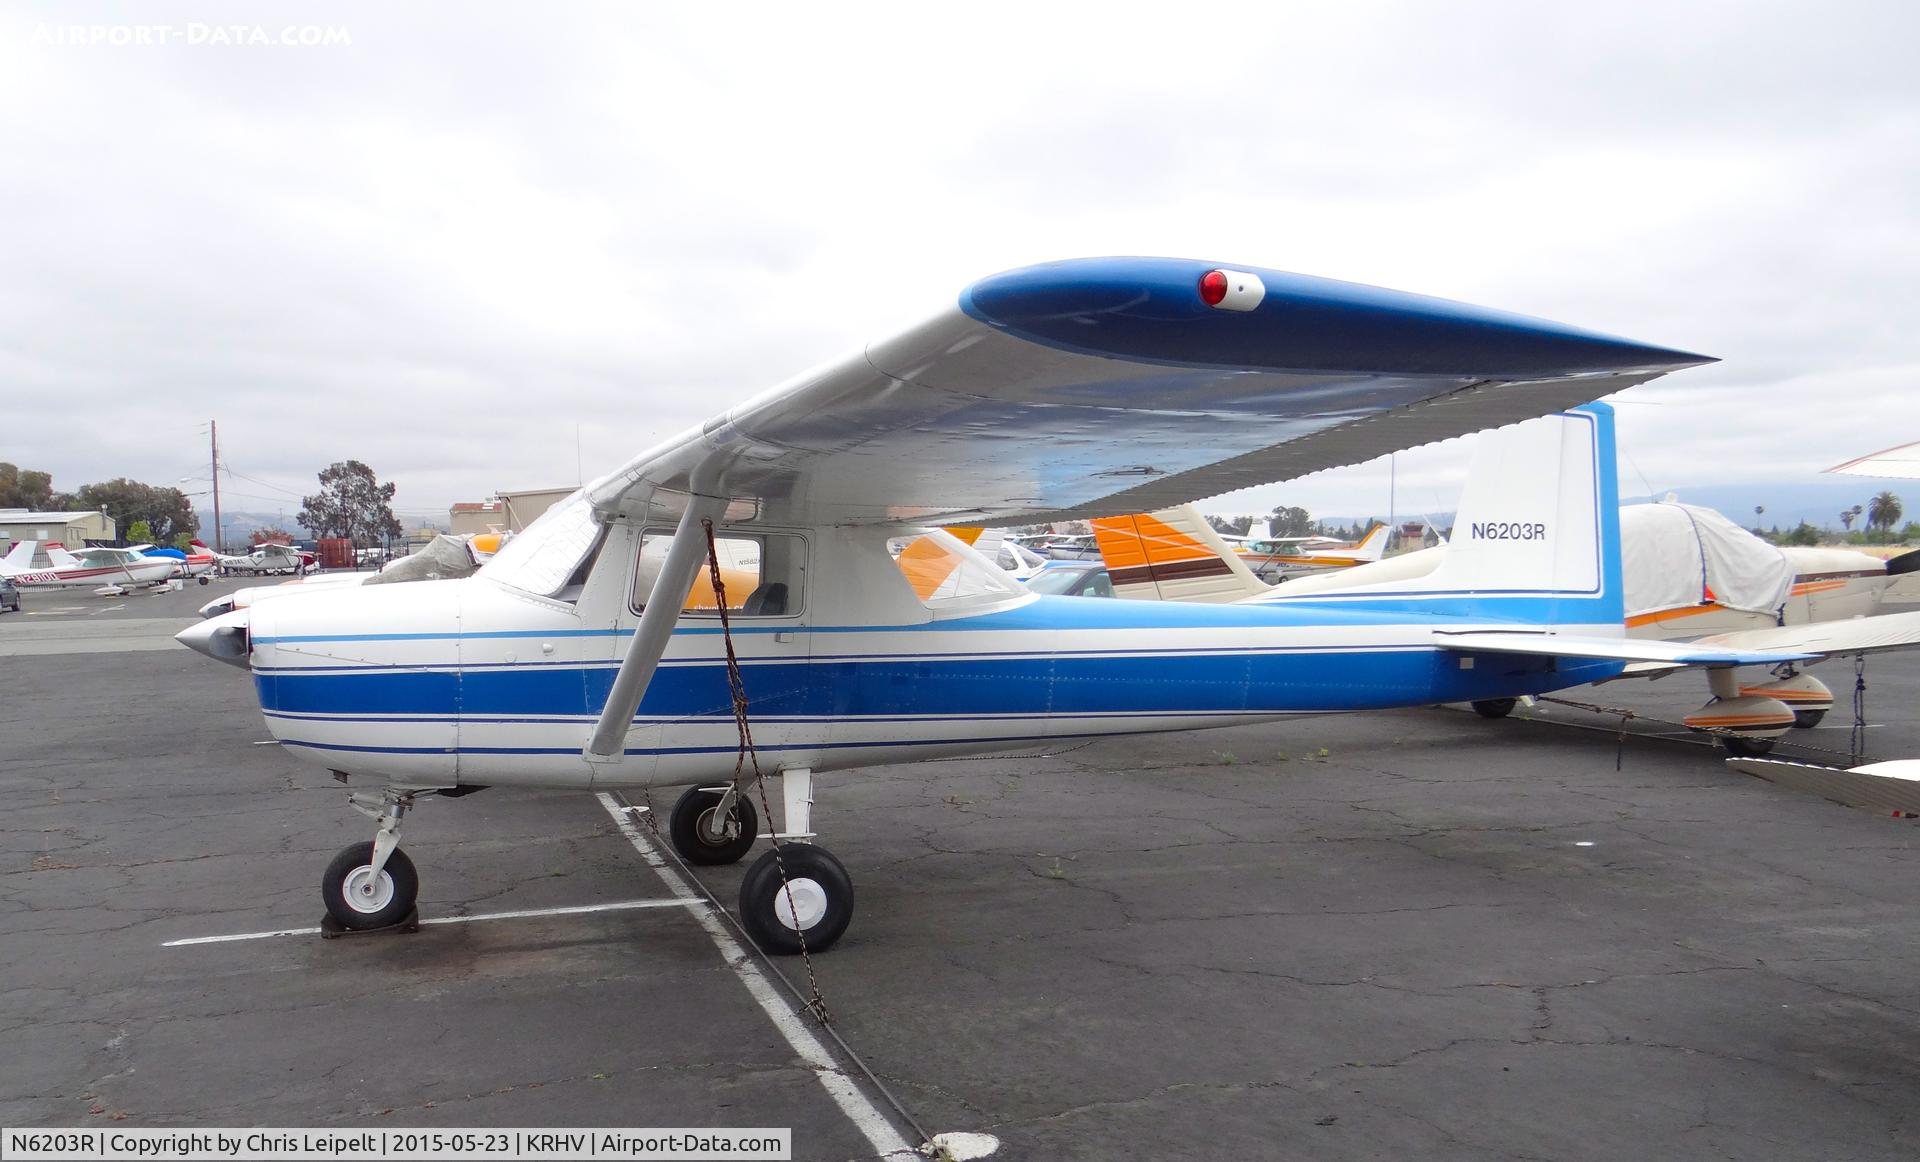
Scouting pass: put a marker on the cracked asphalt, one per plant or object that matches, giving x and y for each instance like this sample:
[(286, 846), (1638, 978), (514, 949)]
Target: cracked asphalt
[(1341, 937)]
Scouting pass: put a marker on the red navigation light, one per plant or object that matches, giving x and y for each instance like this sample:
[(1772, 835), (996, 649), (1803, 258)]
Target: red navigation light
[(1213, 287)]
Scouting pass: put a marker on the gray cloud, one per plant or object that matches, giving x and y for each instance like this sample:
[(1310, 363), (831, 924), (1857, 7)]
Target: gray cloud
[(443, 248)]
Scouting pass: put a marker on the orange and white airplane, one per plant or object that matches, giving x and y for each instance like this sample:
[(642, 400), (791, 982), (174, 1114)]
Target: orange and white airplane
[(1277, 559), (1689, 574)]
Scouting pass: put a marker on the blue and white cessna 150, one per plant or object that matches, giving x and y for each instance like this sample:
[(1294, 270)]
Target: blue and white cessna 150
[(590, 651)]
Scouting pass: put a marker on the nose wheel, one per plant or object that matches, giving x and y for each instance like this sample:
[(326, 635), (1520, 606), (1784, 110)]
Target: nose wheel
[(359, 897), (373, 885)]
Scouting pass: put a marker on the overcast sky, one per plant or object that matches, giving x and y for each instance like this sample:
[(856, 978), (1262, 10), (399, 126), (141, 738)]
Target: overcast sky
[(449, 245)]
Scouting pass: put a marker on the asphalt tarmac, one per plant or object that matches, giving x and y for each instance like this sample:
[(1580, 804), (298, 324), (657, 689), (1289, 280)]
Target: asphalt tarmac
[(1415, 934)]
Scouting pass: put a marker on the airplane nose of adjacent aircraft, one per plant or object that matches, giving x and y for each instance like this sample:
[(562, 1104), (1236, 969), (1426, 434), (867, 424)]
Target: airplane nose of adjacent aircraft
[(223, 639)]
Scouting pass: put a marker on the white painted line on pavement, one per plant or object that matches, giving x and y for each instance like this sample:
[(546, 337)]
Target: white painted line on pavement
[(865, 1116), (577, 910)]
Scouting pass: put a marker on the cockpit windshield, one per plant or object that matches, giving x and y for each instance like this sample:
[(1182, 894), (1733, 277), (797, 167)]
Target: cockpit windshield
[(544, 558)]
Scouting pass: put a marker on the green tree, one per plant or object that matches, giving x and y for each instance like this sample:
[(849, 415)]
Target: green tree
[(351, 503), (166, 511), (1801, 534), (1883, 512), (1290, 521), (1234, 527), (25, 488), (139, 533)]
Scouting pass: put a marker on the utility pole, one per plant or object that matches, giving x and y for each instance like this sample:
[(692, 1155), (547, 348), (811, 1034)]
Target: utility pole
[(213, 431), (1393, 484)]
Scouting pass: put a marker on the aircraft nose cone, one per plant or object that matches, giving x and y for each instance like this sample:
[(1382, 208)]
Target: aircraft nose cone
[(224, 639)]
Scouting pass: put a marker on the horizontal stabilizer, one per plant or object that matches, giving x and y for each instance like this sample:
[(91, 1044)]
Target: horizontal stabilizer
[(1621, 649), (1859, 635), (1888, 786)]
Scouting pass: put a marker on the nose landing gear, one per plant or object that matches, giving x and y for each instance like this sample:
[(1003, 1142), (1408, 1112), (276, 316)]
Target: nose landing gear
[(373, 885)]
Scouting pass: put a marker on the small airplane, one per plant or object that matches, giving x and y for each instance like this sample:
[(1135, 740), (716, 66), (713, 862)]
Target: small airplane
[(196, 565), (1690, 574), (1070, 547), (863, 634), (1277, 559), (268, 558), (106, 571)]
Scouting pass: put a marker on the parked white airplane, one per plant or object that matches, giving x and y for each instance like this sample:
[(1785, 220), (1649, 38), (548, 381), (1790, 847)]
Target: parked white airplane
[(1058, 392), (1277, 559), (107, 571), (266, 559), (1689, 574)]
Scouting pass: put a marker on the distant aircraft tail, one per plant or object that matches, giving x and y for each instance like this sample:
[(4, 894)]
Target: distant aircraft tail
[(19, 558), (1373, 546), (61, 558), (1172, 555), (1537, 538)]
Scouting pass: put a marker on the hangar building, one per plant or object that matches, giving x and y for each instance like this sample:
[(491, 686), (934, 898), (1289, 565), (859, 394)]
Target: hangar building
[(72, 529)]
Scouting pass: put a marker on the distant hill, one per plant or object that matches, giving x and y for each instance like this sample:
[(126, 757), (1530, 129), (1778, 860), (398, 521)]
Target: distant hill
[(239, 526)]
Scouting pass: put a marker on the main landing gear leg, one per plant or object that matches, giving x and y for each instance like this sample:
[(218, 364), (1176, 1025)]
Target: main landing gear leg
[(373, 885), (796, 898), (714, 825)]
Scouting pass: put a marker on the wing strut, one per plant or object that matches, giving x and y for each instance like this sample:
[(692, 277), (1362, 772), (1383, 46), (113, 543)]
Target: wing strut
[(684, 555)]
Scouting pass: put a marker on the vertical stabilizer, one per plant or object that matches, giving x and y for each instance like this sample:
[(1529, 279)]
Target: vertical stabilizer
[(61, 558), (1537, 538), (19, 559), (1373, 546)]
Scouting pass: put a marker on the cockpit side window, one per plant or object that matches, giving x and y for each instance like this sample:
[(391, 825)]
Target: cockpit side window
[(761, 574)]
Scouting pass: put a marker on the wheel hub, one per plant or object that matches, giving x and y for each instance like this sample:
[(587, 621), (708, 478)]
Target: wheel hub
[(717, 831), (364, 892), (800, 904)]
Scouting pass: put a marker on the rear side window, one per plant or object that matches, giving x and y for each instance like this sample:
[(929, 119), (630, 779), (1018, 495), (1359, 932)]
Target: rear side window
[(761, 574)]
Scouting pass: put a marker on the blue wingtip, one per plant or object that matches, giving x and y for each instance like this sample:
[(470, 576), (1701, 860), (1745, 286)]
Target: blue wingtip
[(1150, 310)]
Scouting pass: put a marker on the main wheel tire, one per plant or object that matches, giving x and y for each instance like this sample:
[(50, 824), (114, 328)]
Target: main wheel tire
[(820, 906), (355, 900), (1495, 707), (689, 839), (1807, 719), (1744, 747)]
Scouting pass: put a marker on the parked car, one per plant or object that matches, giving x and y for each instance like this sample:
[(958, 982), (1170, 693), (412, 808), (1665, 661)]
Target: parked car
[(1073, 579), (9, 595)]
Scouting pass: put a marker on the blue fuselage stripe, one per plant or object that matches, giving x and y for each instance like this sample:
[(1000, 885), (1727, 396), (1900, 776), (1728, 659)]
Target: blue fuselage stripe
[(1058, 686)]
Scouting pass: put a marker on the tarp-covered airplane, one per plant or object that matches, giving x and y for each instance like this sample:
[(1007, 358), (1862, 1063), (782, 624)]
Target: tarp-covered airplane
[(1064, 391)]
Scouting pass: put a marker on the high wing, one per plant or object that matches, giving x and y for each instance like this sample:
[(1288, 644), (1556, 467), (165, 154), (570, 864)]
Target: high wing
[(1826, 639), (1859, 635), (1097, 387), (1885, 786), (1622, 649), (1902, 463)]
